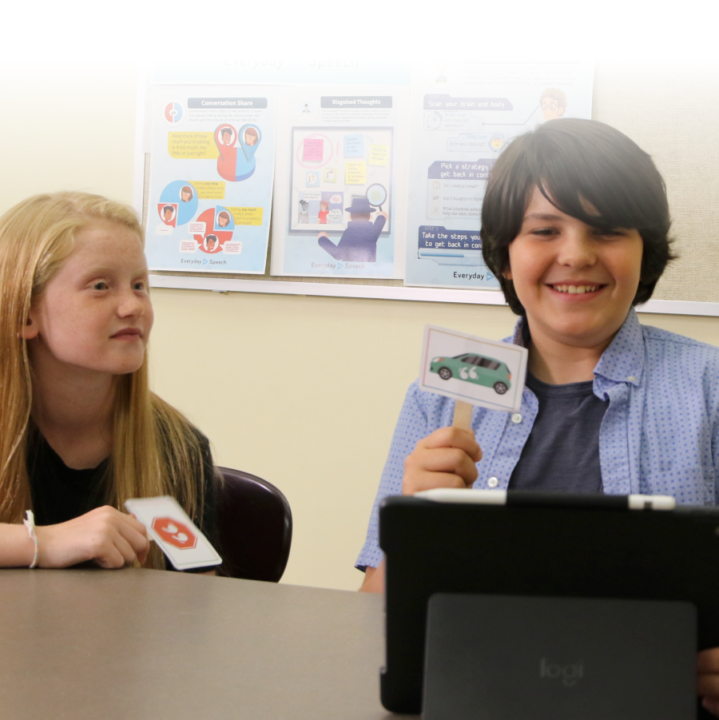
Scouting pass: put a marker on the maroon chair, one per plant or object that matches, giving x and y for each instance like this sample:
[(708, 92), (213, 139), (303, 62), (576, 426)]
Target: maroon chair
[(255, 527)]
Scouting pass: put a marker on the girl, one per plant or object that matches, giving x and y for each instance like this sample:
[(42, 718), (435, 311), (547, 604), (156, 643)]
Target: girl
[(81, 431), (575, 225)]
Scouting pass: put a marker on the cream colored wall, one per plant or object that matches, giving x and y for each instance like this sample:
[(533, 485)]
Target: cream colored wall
[(311, 389), (303, 391)]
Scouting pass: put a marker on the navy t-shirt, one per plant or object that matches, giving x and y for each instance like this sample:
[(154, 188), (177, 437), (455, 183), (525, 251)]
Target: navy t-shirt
[(562, 451)]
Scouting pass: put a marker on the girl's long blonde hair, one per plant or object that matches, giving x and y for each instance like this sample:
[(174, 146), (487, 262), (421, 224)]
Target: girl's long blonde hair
[(156, 451)]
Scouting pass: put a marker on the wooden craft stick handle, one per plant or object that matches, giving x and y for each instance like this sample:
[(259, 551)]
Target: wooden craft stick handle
[(462, 415)]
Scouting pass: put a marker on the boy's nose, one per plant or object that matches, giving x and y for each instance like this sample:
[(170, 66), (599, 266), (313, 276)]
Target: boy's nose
[(577, 249)]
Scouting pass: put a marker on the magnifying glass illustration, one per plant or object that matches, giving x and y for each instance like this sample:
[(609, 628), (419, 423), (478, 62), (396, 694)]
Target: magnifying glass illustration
[(376, 195)]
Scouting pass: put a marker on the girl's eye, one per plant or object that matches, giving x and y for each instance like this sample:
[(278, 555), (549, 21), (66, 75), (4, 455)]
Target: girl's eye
[(99, 285), (140, 285)]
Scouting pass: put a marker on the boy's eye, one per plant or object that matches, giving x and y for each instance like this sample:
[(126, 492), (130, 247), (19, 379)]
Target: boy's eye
[(140, 285), (99, 285)]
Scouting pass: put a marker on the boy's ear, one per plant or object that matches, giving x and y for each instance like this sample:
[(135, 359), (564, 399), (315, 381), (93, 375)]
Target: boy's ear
[(30, 330)]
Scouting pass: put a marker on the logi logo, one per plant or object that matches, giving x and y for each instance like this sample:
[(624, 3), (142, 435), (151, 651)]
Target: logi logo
[(569, 675)]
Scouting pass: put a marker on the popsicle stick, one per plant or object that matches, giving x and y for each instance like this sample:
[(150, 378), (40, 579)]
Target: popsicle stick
[(462, 415)]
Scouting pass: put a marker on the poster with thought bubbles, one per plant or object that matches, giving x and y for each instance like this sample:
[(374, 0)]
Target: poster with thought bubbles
[(462, 117), (212, 168)]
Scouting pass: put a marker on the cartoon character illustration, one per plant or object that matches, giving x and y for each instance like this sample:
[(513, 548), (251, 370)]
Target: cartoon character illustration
[(223, 219), (304, 216), (217, 234), (474, 368), (553, 103), (324, 212), (359, 241), (237, 163), (227, 136), (168, 215), (186, 193), (251, 136)]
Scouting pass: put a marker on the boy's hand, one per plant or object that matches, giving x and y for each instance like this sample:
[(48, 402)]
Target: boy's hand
[(109, 537), (444, 459), (708, 679)]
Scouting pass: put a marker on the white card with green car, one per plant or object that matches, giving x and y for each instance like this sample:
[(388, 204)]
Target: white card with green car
[(473, 369)]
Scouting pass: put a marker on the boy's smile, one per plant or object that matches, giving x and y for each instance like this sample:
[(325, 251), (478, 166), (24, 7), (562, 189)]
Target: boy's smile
[(576, 282)]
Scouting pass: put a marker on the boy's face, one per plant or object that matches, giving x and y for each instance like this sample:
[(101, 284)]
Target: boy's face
[(210, 244), (168, 214), (227, 138), (576, 282)]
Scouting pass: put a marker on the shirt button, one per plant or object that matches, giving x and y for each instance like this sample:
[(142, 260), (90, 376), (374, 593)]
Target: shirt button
[(517, 418), (492, 482)]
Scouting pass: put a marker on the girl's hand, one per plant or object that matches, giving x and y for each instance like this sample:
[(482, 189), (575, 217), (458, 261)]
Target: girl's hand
[(444, 459), (109, 537)]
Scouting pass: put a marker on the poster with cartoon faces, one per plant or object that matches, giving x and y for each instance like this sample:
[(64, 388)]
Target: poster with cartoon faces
[(212, 171)]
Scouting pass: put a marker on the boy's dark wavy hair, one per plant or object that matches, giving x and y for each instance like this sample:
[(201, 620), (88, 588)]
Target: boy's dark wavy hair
[(574, 162)]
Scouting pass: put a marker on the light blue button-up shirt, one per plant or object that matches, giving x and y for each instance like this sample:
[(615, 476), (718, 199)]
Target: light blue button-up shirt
[(659, 435)]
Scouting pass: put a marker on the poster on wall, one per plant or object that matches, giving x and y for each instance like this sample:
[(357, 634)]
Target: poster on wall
[(212, 168), (336, 207), (462, 118)]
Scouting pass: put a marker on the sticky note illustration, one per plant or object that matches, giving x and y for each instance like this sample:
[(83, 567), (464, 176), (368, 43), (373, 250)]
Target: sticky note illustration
[(313, 149), (354, 145), (355, 172), (379, 155)]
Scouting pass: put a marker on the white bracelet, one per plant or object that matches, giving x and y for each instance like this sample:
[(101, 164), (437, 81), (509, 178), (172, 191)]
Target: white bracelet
[(29, 523)]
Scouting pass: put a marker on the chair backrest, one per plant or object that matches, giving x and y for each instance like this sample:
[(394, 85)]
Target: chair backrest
[(255, 527)]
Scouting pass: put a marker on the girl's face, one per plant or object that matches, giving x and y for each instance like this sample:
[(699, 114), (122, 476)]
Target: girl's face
[(576, 282), (250, 139), (95, 315)]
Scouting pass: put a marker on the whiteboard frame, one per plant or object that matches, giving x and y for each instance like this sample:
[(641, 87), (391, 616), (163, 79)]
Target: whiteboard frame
[(390, 292)]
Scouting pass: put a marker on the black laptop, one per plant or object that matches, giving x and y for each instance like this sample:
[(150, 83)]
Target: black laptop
[(547, 606)]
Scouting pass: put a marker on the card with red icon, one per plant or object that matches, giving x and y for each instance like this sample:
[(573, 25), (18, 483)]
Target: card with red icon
[(171, 528)]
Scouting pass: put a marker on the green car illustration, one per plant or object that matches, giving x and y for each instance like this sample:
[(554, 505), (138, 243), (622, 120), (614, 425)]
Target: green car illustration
[(474, 368)]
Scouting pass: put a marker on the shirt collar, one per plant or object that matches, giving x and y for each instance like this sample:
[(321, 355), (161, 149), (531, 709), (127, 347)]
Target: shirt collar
[(622, 361)]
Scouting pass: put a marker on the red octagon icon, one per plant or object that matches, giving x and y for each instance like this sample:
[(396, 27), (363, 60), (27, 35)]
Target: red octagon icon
[(174, 533)]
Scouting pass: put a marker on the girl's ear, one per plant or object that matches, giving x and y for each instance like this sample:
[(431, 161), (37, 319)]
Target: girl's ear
[(30, 329), (507, 274)]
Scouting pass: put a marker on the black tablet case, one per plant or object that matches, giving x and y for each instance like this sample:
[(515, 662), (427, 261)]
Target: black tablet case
[(562, 548)]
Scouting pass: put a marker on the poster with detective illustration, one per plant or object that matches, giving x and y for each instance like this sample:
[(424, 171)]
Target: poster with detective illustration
[(212, 168), (463, 116), (336, 208)]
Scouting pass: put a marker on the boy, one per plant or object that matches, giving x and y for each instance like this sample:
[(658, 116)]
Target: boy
[(575, 225)]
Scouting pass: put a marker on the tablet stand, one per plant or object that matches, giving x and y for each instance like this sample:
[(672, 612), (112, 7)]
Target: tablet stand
[(491, 657)]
